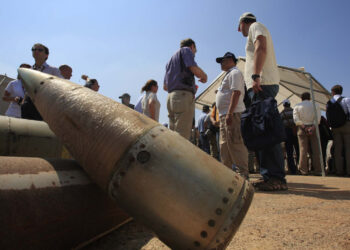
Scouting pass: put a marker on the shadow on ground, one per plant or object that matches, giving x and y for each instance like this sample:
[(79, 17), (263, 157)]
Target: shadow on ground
[(314, 190), (318, 190)]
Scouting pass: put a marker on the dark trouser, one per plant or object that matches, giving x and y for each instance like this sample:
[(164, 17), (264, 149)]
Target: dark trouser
[(291, 145), (205, 146), (270, 160), (213, 145), (218, 144), (341, 144), (29, 111)]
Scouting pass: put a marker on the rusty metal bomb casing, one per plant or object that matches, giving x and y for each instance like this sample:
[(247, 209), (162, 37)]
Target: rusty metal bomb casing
[(22, 137), (190, 200), (51, 204)]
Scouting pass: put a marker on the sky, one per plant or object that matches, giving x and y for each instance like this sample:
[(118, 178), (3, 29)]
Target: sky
[(125, 43)]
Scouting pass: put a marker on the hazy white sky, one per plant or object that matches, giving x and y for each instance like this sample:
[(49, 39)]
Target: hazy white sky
[(124, 43)]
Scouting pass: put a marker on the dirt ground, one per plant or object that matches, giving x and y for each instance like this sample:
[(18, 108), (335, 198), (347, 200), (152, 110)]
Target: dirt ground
[(313, 214)]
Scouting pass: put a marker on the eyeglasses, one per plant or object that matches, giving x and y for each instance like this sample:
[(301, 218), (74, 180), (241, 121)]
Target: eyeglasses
[(37, 49)]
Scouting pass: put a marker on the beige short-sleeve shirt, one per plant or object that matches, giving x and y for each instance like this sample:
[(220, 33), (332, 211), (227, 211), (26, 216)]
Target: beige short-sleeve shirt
[(269, 74)]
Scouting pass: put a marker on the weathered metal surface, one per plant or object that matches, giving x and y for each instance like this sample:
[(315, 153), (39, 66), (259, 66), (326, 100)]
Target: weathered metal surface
[(190, 200), (51, 204), (21, 137)]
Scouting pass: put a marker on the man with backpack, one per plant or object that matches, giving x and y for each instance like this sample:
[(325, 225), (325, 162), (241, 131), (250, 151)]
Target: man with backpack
[(291, 142), (338, 116), (262, 78)]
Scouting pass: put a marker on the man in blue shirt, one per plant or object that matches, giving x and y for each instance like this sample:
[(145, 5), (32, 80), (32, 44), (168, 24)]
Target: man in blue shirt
[(180, 84)]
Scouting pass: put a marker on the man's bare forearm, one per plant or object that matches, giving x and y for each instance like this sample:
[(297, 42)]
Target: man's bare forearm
[(259, 54), (199, 73), (234, 100)]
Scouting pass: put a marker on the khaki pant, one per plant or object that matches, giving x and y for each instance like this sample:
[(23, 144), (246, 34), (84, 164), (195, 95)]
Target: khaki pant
[(232, 149), (180, 106), (341, 141), (304, 148)]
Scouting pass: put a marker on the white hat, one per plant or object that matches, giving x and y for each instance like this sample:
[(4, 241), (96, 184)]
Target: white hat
[(246, 15)]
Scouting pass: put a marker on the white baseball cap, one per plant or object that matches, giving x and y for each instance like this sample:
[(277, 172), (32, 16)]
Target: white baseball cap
[(246, 15)]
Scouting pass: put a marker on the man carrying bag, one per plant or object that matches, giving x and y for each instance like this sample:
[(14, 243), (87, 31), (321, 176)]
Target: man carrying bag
[(262, 79)]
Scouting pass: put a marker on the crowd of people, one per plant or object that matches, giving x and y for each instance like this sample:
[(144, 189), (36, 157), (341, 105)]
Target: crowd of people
[(220, 129), (21, 105)]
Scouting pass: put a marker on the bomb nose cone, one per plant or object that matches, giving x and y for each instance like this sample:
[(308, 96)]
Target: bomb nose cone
[(32, 80)]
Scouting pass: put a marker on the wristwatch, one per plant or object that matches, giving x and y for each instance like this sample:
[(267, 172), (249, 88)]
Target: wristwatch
[(254, 76)]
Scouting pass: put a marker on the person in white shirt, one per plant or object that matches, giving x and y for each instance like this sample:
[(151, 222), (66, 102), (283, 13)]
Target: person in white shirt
[(229, 101), (14, 93), (341, 135), (150, 103), (303, 115), (138, 105)]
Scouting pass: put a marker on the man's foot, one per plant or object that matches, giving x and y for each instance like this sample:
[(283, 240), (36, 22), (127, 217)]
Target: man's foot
[(272, 184)]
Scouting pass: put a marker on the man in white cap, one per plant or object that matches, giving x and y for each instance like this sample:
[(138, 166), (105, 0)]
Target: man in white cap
[(262, 79)]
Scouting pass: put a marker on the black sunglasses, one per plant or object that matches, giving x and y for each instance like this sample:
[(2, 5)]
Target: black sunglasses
[(38, 49)]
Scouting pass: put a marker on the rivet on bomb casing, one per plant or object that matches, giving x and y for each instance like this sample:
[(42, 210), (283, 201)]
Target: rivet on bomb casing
[(218, 211), (143, 156), (211, 223), (41, 83)]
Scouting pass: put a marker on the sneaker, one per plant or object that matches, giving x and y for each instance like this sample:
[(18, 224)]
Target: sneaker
[(271, 185)]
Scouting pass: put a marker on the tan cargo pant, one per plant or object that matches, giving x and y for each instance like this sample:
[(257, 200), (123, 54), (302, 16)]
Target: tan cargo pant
[(180, 106), (304, 148), (341, 141), (232, 148)]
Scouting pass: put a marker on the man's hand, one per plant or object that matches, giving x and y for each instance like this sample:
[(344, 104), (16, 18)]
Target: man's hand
[(229, 119), (204, 79), (256, 85)]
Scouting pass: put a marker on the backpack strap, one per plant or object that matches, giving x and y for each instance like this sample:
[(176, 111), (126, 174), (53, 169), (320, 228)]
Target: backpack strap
[(340, 99)]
